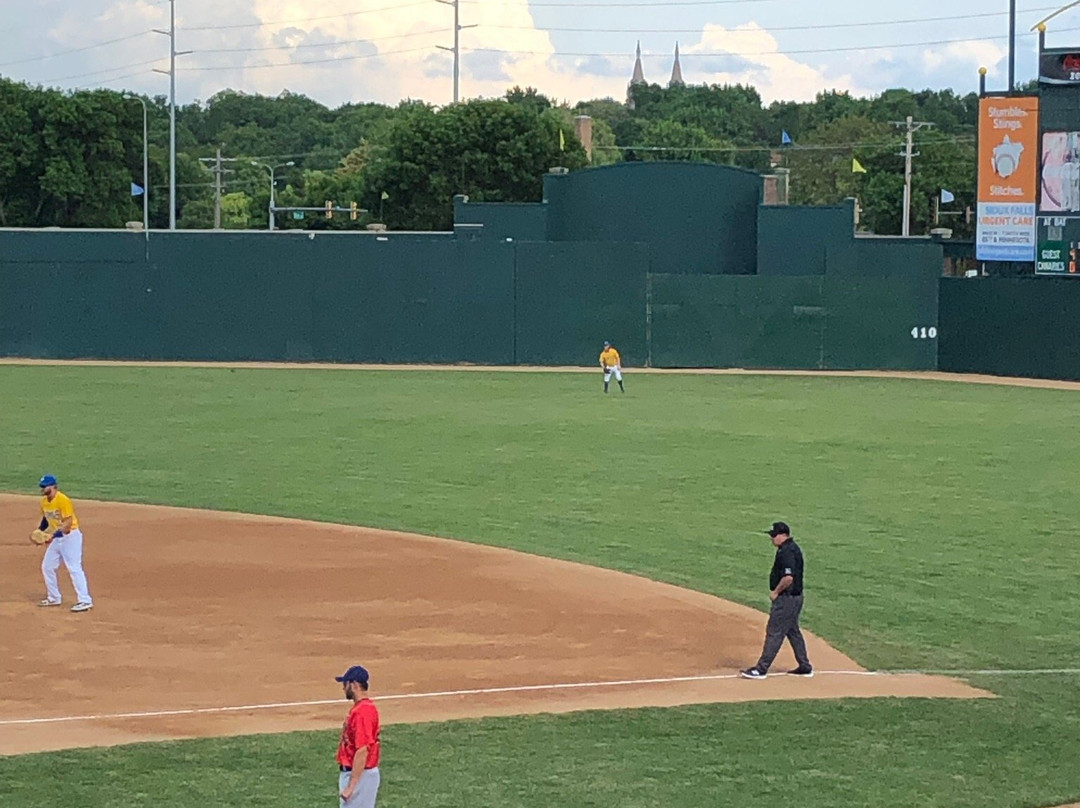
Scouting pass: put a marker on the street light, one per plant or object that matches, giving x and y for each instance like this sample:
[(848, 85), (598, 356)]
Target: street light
[(145, 165), (271, 169), (1049, 17)]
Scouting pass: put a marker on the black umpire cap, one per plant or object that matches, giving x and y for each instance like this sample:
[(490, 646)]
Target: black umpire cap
[(778, 528)]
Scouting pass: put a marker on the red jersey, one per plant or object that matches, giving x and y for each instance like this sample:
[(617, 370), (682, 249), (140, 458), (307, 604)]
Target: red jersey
[(361, 728)]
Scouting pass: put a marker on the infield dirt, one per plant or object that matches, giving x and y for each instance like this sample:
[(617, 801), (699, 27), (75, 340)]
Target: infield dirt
[(199, 610)]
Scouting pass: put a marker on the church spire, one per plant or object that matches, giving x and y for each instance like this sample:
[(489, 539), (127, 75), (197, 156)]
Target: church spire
[(676, 71), (637, 78), (639, 73)]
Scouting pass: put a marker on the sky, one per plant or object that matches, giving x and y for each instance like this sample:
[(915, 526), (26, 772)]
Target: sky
[(389, 50)]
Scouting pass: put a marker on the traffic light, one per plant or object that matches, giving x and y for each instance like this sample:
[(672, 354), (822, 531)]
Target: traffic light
[(329, 208), (353, 211)]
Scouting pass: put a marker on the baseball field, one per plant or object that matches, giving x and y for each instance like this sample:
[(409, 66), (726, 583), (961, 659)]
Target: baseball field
[(597, 539)]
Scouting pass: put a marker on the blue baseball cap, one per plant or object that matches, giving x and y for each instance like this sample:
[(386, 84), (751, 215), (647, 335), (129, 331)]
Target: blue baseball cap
[(46, 481), (357, 673)]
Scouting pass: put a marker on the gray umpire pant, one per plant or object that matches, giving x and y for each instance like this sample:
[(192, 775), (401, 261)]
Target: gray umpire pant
[(363, 795), (783, 622)]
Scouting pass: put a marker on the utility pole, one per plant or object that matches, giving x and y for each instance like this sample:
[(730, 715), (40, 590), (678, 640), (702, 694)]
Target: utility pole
[(911, 127), (458, 28), (219, 180), (173, 53), (217, 191)]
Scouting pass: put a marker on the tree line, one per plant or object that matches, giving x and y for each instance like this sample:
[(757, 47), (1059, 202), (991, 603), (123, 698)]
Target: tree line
[(68, 159)]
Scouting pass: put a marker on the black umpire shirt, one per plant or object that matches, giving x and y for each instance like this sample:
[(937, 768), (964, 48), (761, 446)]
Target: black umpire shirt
[(788, 562)]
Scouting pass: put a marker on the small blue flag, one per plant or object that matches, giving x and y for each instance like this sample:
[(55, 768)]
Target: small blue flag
[(947, 197), (785, 138), (136, 190)]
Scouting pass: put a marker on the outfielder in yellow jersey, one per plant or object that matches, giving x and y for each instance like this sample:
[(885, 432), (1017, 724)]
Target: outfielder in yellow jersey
[(58, 518), (611, 362)]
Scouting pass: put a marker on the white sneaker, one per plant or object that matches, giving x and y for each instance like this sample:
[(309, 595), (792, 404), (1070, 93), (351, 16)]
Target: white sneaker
[(47, 602), (82, 607)]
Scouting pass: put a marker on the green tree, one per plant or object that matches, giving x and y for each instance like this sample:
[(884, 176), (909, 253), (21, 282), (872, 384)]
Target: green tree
[(19, 152), (236, 211), (530, 98), (821, 163), (680, 141), (604, 145), (492, 151)]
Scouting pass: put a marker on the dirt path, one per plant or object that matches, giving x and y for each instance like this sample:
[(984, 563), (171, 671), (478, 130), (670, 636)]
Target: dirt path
[(199, 611), (968, 378)]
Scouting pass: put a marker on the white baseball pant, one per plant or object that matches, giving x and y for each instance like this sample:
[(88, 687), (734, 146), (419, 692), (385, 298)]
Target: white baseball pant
[(69, 550), (616, 370)]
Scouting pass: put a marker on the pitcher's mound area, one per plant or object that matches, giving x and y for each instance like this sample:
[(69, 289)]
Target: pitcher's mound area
[(198, 611)]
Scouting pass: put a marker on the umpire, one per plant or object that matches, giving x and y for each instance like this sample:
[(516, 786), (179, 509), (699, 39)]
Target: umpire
[(786, 594)]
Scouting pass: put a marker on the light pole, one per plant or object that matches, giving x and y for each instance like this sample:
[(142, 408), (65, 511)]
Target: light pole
[(271, 169), (1049, 17), (1012, 45), (145, 167)]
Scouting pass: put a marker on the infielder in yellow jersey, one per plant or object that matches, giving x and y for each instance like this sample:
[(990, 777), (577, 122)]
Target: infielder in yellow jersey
[(58, 518), (611, 363)]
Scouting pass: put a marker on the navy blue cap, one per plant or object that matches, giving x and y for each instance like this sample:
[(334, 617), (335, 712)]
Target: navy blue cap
[(606, 343), (357, 673), (46, 481), (778, 528)]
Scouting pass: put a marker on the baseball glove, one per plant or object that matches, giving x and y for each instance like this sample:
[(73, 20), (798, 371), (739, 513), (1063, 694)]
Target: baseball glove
[(40, 537)]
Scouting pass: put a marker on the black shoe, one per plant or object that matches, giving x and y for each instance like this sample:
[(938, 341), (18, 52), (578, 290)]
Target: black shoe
[(805, 672), (752, 673)]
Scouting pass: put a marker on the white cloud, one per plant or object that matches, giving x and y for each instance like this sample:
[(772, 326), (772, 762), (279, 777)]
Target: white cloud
[(754, 58), (390, 52), (971, 54)]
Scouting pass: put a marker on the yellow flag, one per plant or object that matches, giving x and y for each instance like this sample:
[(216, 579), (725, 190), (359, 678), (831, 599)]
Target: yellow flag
[(562, 141), (856, 167)]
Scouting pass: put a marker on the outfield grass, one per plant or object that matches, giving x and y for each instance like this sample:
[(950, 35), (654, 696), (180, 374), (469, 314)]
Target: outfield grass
[(935, 518)]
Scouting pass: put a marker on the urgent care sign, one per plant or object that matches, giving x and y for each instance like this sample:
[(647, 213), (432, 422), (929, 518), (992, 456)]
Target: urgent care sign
[(1008, 178)]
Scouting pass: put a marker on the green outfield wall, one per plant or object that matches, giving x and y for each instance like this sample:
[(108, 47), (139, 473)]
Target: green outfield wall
[(1011, 326), (696, 218), (807, 322), (438, 298)]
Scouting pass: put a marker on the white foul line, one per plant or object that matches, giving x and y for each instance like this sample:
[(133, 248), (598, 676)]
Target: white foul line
[(514, 689), (394, 697)]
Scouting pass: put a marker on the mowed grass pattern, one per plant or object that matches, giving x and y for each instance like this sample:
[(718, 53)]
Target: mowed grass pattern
[(936, 519)]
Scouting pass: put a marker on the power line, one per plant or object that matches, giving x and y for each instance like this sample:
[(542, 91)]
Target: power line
[(691, 54), (310, 62), (649, 4), (853, 48), (75, 50), (106, 70), (845, 49), (769, 28), (304, 19), (790, 149), (101, 84), (440, 31)]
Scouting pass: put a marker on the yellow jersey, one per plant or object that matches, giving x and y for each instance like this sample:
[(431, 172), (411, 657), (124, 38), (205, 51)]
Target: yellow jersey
[(58, 510), (609, 358)]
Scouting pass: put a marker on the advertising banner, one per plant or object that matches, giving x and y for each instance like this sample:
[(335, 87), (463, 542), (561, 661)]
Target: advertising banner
[(1059, 66), (1008, 178), (1055, 258)]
